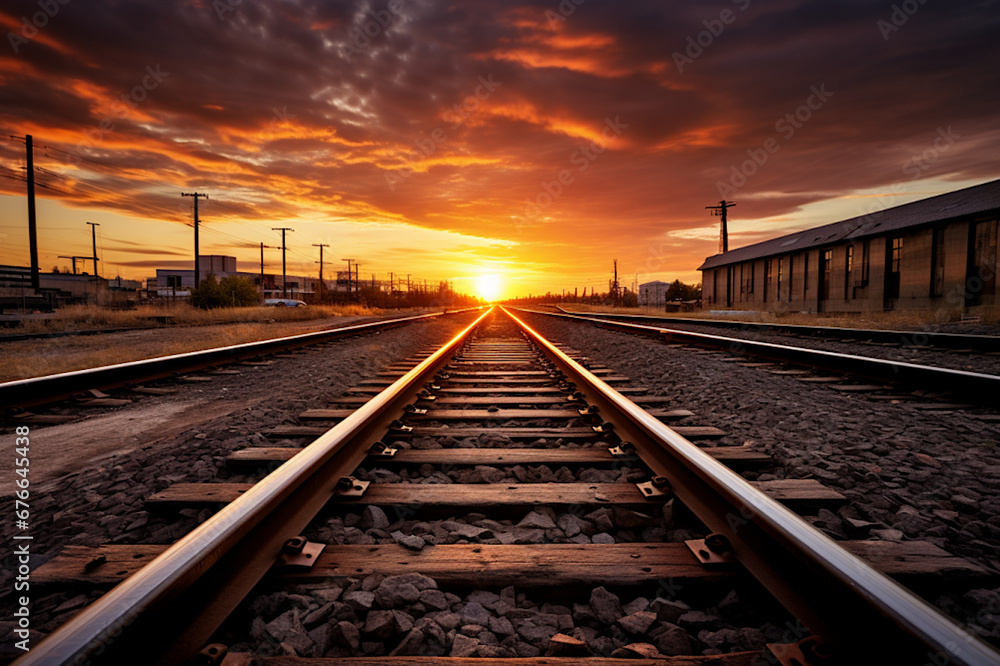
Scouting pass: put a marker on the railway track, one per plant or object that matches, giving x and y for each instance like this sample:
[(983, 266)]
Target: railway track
[(874, 374), (446, 462), (918, 339), (87, 387)]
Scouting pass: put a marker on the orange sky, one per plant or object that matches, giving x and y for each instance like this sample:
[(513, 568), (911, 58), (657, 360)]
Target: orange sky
[(457, 140)]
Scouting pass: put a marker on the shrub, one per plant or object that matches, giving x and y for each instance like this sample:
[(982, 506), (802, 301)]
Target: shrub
[(233, 292)]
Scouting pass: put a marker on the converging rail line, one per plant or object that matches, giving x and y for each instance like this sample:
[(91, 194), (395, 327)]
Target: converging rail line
[(974, 387), (920, 339), (495, 397), (52, 388)]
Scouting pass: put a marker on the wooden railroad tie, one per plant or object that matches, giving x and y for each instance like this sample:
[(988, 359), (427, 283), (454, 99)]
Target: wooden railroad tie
[(733, 456), (493, 565), (793, 492)]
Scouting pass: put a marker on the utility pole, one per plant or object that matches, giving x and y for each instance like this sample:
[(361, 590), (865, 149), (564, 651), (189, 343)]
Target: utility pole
[(373, 281), (407, 283), (32, 226), (262, 267), (614, 285), (62, 256), (284, 271), (357, 278), (197, 268), (93, 238), (720, 211), (321, 246), (350, 274), (391, 274)]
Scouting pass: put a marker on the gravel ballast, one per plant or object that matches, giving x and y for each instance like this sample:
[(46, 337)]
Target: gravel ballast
[(909, 474), (103, 501)]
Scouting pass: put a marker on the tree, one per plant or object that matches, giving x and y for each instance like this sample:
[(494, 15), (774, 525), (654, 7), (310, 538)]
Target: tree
[(678, 291), (233, 292), (239, 292)]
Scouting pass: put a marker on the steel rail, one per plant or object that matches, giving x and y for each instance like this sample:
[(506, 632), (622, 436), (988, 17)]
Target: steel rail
[(984, 343), (166, 612), (870, 617), (41, 390), (975, 387)]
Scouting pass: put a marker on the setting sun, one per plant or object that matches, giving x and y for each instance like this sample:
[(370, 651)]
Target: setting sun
[(488, 287)]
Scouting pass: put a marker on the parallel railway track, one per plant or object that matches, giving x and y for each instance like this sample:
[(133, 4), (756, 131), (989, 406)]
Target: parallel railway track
[(496, 397), (921, 339), (18, 395), (973, 387)]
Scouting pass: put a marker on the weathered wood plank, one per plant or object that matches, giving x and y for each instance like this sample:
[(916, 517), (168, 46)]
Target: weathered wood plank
[(103, 402), (498, 565), (912, 558), (731, 659), (500, 373), (501, 414), (528, 400), (741, 456), (103, 565), (692, 432), (45, 419), (790, 491), (512, 433)]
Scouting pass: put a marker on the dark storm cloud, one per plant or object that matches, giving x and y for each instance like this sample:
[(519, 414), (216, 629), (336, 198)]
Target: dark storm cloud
[(311, 105)]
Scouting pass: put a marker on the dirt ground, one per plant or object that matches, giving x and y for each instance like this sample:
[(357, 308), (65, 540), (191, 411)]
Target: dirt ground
[(46, 356)]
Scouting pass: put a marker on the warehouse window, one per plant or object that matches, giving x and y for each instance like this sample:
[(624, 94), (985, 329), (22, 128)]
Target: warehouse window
[(805, 274), (767, 278), (780, 262), (865, 262), (937, 263), (825, 268), (848, 270), (791, 283)]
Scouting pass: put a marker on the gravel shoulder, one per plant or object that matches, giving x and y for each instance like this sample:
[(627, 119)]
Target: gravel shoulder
[(970, 362)]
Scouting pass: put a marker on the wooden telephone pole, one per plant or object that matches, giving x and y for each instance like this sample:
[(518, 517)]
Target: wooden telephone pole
[(197, 267), (284, 271), (720, 211)]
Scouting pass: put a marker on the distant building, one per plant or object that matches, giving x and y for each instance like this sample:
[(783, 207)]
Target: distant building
[(60, 289), (178, 283), (653, 293), (939, 252)]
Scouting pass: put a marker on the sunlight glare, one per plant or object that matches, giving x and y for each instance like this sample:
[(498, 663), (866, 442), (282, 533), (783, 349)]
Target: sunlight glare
[(488, 287)]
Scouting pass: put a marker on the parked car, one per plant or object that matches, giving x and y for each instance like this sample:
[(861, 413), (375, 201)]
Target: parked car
[(284, 302)]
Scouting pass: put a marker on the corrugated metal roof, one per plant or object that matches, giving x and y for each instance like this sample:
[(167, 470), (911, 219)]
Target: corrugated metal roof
[(968, 201)]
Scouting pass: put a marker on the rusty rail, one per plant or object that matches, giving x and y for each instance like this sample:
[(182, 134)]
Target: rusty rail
[(166, 612), (870, 617)]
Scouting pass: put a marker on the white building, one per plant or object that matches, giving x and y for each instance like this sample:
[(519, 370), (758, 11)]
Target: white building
[(653, 293)]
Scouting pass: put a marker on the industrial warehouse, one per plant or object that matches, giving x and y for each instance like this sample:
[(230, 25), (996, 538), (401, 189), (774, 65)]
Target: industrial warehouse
[(937, 253)]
